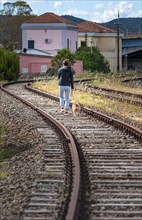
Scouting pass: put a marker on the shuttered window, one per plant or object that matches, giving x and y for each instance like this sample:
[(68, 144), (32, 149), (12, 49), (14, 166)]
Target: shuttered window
[(30, 44)]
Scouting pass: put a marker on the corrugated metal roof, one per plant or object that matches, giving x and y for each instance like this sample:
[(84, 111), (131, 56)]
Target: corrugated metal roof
[(36, 52)]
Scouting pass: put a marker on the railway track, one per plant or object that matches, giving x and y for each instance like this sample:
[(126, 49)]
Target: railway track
[(110, 160), (137, 82), (134, 99)]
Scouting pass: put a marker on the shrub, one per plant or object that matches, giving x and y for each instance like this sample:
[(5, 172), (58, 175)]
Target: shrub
[(92, 59), (9, 65), (62, 55)]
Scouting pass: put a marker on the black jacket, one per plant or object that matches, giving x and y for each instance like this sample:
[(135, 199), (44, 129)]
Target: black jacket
[(65, 76)]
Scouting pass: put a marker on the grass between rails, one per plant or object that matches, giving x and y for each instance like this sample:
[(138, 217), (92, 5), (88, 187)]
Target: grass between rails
[(113, 81), (115, 84), (120, 110)]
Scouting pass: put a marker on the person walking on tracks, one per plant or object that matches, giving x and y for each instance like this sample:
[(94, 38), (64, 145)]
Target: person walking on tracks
[(65, 77)]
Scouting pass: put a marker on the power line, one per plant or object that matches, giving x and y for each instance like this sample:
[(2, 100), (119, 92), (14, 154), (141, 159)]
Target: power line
[(118, 38)]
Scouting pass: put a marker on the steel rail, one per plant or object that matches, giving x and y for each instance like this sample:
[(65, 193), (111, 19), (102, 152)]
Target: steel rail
[(116, 123), (73, 205), (114, 97), (116, 91), (110, 120)]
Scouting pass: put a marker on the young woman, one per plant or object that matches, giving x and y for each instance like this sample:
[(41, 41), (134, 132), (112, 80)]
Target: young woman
[(65, 77)]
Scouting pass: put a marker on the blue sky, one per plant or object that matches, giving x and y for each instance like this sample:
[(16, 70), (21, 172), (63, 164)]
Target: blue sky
[(92, 10)]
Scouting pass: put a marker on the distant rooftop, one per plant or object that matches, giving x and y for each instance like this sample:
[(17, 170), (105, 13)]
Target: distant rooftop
[(35, 52), (49, 17), (93, 27)]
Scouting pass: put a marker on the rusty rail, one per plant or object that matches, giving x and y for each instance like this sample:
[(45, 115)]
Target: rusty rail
[(116, 123), (73, 204)]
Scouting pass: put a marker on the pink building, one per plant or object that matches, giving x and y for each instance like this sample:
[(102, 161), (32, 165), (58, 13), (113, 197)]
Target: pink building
[(34, 61), (49, 32), (42, 38)]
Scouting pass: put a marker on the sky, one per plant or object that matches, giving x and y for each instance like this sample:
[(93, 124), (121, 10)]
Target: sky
[(92, 10)]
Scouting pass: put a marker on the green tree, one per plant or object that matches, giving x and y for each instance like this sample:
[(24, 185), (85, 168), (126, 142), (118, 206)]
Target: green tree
[(61, 55), (92, 59), (8, 9), (22, 8), (9, 65), (14, 15), (17, 8)]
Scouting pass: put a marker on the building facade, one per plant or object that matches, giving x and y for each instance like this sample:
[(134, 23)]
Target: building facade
[(105, 39), (49, 32), (33, 61)]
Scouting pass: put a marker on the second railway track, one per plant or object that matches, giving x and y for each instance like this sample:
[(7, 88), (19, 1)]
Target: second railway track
[(110, 161), (132, 98)]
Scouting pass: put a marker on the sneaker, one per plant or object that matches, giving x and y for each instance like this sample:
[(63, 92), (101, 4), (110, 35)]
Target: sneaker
[(66, 112), (62, 110)]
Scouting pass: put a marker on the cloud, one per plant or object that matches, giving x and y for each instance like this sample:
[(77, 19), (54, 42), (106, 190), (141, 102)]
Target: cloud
[(58, 4), (125, 9), (76, 12), (3, 2), (100, 5)]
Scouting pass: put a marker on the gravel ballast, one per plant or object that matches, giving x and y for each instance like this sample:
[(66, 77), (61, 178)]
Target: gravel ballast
[(19, 171)]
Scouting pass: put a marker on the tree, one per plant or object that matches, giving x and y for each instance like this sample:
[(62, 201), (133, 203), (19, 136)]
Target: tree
[(61, 55), (92, 59), (17, 8), (14, 15), (22, 8), (9, 65)]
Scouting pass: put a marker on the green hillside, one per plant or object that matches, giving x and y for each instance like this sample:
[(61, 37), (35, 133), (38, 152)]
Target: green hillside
[(127, 25), (74, 19)]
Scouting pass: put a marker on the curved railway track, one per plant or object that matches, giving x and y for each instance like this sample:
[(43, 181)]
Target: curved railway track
[(104, 174), (132, 98)]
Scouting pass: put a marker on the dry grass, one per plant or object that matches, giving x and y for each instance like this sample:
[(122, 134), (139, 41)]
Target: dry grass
[(116, 84), (125, 111)]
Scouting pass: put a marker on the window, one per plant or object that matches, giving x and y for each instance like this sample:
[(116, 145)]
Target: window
[(43, 68), (76, 45), (68, 44), (25, 70), (31, 44), (83, 43)]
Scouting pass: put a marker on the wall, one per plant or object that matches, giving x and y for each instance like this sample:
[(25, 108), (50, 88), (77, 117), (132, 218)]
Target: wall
[(56, 33), (33, 64), (78, 67), (73, 37), (107, 46), (36, 64), (39, 37)]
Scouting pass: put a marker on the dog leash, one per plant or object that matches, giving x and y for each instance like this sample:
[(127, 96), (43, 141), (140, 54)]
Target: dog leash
[(72, 95)]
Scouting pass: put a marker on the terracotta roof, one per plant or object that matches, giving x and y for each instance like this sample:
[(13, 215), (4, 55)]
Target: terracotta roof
[(49, 17), (89, 26)]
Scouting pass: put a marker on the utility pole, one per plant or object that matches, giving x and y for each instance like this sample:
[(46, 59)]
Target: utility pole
[(118, 50), (86, 38), (141, 20), (91, 42)]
